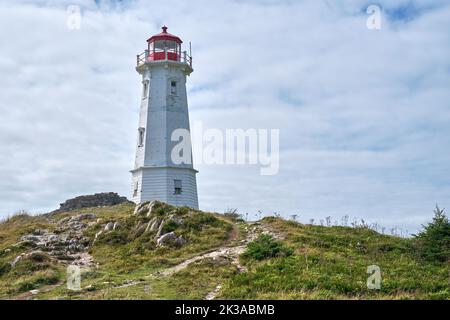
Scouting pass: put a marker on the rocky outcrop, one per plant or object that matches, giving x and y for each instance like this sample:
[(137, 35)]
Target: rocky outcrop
[(157, 222), (109, 226), (96, 200), (146, 208), (66, 242), (15, 261), (170, 239)]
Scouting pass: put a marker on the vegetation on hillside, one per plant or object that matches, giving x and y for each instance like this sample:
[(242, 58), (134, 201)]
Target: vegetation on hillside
[(264, 247), (433, 242), (331, 263), (282, 260)]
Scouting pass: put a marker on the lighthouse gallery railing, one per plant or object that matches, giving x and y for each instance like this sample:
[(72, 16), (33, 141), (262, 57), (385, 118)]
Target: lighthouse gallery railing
[(167, 56)]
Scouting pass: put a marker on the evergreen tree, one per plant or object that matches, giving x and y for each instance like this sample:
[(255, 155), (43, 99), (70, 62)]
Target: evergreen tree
[(434, 241)]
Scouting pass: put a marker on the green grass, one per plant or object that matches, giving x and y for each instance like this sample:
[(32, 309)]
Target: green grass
[(331, 263), (309, 262)]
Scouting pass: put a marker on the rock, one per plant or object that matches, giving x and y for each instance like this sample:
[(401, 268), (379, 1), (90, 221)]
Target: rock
[(7, 250), (89, 288), (174, 218), (98, 234), (149, 224), (99, 220), (85, 241), (170, 238), (220, 260), (96, 200), (167, 238), (16, 260), (30, 238), (156, 224), (109, 226), (180, 241), (76, 225), (150, 207), (147, 207), (160, 227), (83, 216), (75, 246), (141, 208), (64, 220), (153, 224), (52, 238), (35, 291), (116, 225), (39, 232)]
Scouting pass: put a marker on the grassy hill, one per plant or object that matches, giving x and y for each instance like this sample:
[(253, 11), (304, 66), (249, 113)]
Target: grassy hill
[(209, 256)]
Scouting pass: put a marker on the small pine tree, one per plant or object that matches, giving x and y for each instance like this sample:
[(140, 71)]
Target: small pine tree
[(434, 241)]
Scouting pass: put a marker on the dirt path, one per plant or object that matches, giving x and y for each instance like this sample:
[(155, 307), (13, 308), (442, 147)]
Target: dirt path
[(230, 252), (253, 230), (233, 253), (28, 295)]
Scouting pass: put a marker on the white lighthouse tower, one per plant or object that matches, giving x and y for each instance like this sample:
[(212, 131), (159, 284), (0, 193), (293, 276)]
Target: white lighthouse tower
[(164, 108)]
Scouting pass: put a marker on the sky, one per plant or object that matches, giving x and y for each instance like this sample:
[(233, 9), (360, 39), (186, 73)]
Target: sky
[(363, 114)]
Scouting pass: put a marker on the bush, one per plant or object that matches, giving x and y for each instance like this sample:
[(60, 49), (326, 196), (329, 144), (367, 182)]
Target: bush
[(170, 226), (114, 237), (38, 256), (265, 246), (201, 219), (47, 277), (232, 215), (433, 242)]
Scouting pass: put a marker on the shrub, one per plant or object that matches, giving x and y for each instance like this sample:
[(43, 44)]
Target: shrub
[(170, 226), (114, 237), (232, 215), (433, 242), (38, 256), (47, 277), (265, 246), (201, 219)]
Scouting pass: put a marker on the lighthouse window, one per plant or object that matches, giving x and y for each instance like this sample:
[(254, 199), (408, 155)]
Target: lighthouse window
[(177, 184), (136, 188), (145, 90), (141, 137), (173, 87), (159, 45)]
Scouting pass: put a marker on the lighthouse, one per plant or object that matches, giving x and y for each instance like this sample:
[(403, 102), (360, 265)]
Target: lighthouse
[(163, 68)]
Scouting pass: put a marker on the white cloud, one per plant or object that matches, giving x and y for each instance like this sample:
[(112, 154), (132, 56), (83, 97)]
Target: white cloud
[(364, 115)]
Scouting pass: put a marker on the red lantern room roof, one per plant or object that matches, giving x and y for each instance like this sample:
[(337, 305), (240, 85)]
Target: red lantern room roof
[(164, 35)]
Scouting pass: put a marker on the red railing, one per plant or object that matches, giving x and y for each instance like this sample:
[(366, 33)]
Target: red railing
[(163, 55)]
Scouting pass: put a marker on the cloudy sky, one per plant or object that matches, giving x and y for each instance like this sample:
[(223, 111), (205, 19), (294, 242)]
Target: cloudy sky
[(364, 115)]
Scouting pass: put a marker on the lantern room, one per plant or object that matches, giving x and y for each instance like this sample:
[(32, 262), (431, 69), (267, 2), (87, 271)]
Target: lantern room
[(164, 46)]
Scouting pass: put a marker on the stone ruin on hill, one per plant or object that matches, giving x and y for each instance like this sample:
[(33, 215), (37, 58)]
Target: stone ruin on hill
[(88, 201)]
